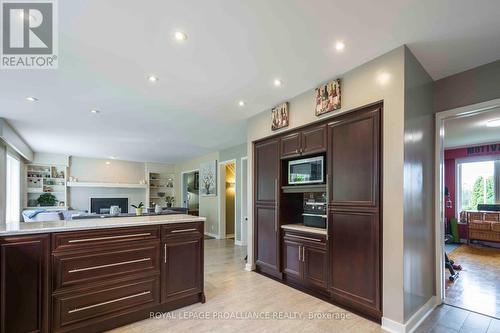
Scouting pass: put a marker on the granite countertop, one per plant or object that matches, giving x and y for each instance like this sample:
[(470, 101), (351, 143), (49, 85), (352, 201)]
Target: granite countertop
[(25, 228), (303, 228)]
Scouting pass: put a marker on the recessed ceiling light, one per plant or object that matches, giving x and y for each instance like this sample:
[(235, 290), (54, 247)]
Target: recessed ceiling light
[(340, 46), (95, 111), (493, 123), (31, 99), (180, 36), (278, 83), (241, 103), (108, 162), (113, 157), (153, 78)]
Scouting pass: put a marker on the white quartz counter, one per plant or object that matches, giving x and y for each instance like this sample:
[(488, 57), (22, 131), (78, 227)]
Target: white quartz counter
[(303, 228), (25, 228)]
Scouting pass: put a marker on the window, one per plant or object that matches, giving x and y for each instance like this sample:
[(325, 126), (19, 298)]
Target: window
[(13, 189), (478, 182)]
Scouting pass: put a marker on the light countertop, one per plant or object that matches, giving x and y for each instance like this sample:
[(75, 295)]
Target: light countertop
[(303, 228), (25, 228)]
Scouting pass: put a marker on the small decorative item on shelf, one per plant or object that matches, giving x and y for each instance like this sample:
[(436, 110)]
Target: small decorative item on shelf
[(161, 194), (61, 203), (47, 200), (158, 209), (138, 208), (142, 182), (170, 200)]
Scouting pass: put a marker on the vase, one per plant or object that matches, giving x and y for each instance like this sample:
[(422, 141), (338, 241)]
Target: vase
[(138, 211), (169, 205)]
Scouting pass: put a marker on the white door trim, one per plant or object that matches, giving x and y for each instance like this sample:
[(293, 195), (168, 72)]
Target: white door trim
[(183, 190), (222, 194), (242, 241), (459, 112)]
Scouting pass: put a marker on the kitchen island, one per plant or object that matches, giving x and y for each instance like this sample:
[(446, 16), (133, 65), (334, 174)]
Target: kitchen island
[(96, 274)]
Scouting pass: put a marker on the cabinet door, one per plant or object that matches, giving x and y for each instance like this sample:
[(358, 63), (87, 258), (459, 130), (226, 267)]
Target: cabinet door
[(290, 145), (24, 284), (353, 159), (267, 249), (266, 168), (355, 260), (182, 267), (292, 259), (314, 140), (315, 267)]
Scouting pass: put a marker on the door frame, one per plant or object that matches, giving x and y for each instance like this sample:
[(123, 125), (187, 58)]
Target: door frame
[(183, 190), (243, 188), (441, 117), (222, 195)]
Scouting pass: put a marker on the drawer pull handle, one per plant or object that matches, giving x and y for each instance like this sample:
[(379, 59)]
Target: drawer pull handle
[(314, 215), (108, 265), (183, 230), (107, 238), (109, 302), (302, 237)]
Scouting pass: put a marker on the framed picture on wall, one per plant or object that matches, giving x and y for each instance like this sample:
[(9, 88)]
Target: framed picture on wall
[(279, 116), (208, 179), (328, 97)]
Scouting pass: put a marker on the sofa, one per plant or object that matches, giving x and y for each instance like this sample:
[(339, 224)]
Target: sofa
[(483, 225)]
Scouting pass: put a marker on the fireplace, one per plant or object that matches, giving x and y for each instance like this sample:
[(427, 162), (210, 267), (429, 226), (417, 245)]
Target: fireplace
[(101, 205)]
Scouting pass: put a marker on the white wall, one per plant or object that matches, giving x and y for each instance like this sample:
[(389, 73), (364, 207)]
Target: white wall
[(379, 79)]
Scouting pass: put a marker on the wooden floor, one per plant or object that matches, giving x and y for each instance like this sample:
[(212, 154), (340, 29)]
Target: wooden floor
[(478, 287), (231, 290)]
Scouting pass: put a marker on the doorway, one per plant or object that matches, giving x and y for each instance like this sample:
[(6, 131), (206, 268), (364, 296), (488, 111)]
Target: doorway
[(244, 201), (191, 191), (468, 207), (227, 199)]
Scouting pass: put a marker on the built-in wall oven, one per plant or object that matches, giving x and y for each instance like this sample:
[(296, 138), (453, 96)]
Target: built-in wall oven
[(306, 171), (314, 210)]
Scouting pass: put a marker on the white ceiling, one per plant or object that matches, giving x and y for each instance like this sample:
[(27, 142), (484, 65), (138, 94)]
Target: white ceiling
[(234, 51), (471, 130)]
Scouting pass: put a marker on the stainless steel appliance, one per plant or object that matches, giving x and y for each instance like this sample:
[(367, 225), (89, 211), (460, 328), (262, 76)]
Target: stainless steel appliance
[(314, 212), (306, 171)]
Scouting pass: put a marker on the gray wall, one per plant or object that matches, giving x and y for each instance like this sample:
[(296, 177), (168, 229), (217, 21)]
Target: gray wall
[(237, 153), (419, 256), (3, 185), (477, 85)]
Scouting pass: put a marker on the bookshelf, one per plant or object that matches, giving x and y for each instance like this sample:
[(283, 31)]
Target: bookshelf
[(41, 179)]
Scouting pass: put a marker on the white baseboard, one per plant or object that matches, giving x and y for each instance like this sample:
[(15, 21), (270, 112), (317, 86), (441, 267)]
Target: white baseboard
[(230, 236), (249, 267), (415, 320), (237, 242), (212, 235)]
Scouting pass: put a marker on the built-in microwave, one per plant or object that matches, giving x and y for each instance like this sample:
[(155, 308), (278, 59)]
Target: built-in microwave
[(306, 171)]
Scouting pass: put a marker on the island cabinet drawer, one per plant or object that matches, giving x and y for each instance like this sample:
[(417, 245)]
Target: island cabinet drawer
[(76, 268), (182, 229), (316, 240), (76, 310), (91, 239)]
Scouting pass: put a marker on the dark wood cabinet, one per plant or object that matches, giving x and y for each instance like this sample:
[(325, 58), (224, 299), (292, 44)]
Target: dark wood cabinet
[(308, 141), (353, 163), (290, 145), (182, 267), (266, 210), (305, 260), (313, 140), (24, 283)]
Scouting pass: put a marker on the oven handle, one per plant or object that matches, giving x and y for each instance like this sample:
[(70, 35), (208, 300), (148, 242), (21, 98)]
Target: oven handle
[(307, 214)]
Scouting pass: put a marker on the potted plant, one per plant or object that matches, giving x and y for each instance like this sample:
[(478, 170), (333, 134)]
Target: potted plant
[(47, 200), (170, 200), (138, 208)]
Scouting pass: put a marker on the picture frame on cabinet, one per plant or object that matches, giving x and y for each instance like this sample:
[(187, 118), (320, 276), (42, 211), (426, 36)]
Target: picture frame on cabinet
[(279, 116), (328, 97)]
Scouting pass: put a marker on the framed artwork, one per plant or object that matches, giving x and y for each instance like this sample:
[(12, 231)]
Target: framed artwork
[(208, 179), (328, 97), (279, 116)]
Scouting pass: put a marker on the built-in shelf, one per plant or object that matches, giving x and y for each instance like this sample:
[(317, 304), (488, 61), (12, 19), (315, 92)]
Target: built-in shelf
[(304, 188), (115, 185)]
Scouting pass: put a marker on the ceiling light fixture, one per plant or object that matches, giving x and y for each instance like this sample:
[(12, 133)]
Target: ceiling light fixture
[(95, 111), (493, 123), (31, 99), (340, 46), (113, 157), (241, 103), (108, 162), (180, 36), (153, 78), (278, 83)]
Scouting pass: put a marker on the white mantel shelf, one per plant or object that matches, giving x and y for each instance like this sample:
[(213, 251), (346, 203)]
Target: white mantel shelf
[(112, 185)]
